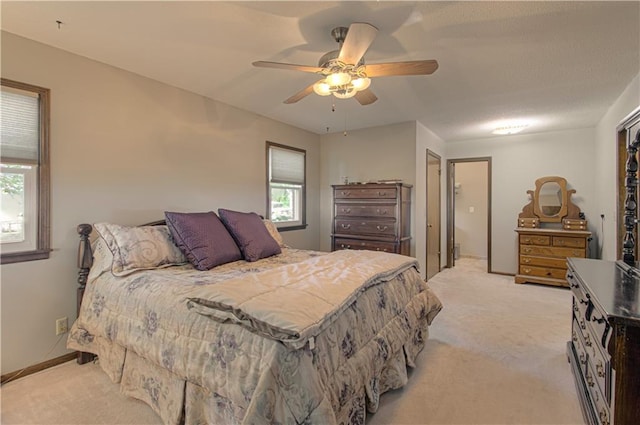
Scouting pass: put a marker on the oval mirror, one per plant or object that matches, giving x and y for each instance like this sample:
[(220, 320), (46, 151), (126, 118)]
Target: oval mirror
[(550, 199)]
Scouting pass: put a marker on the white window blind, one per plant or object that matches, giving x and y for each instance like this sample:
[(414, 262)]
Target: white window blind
[(287, 166), (19, 125)]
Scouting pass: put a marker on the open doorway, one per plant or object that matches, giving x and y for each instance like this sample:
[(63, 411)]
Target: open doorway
[(469, 210)]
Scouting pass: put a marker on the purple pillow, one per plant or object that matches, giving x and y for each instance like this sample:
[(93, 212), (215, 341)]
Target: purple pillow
[(202, 238), (250, 234)]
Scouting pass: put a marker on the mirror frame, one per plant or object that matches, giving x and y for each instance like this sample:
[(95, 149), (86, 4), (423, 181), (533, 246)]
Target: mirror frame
[(537, 210), (532, 214)]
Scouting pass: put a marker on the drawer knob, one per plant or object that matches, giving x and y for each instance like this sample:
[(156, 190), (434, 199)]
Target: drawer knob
[(527, 240), (343, 246), (526, 250), (583, 358), (381, 212), (526, 271), (383, 250), (526, 260), (382, 228), (345, 193), (346, 210), (600, 369), (345, 226), (582, 324), (587, 340), (381, 193)]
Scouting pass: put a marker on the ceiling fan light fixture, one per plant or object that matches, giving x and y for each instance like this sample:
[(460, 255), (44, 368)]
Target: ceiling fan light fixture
[(322, 88), (345, 93), (338, 79), (362, 83)]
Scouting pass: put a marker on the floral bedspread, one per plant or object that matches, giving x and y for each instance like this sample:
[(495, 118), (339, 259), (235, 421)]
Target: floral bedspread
[(194, 370)]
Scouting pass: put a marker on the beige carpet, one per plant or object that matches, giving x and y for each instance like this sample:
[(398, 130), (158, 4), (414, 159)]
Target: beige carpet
[(496, 355)]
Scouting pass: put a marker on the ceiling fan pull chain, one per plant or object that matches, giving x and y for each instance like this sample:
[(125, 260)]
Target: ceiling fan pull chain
[(345, 123)]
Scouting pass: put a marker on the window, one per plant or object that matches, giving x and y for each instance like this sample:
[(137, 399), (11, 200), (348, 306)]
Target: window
[(286, 192), (24, 176)]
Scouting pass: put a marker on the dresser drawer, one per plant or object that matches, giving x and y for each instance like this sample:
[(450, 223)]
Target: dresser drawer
[(535, 240), (569, 242), (578, 345), (358, 210), (345, 243), (551, 251), (368, 193), (558, 263), (369, 227), (542, 272), (598, 399)]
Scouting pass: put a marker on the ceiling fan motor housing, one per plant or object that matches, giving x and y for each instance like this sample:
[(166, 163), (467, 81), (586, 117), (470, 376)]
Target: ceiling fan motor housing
[(339, 34)]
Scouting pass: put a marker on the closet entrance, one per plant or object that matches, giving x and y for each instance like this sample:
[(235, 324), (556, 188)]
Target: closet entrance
[(469, 210)]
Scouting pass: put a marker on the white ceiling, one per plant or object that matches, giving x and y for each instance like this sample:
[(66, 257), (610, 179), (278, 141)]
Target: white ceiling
[(558, 64)]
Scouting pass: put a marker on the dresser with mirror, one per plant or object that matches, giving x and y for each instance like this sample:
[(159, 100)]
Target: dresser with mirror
[(550, 229)]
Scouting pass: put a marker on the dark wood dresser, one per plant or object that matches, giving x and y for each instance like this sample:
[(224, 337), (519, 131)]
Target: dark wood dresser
[(604, 350), (372, 216)]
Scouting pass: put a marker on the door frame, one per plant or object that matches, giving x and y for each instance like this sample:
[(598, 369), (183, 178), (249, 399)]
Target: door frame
[(451, 207), (430, 153)]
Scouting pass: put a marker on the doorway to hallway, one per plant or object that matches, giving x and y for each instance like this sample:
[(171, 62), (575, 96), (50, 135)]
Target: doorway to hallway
[(469, 210)]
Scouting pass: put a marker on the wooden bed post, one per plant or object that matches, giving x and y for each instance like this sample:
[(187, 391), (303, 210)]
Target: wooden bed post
[(85, 260)]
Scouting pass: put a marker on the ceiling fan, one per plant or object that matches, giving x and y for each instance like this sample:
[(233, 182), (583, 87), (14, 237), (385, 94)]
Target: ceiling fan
[(344, 71)]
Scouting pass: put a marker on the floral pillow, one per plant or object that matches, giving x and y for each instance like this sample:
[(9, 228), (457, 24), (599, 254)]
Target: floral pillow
[(139, 248), (273, 231)]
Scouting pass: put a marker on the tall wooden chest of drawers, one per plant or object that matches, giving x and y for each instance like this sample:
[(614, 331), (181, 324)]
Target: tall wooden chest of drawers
[(604, 350), (542, 254), (372, 216)]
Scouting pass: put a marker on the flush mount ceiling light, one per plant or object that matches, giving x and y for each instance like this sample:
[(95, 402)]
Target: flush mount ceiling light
[(509, 129)]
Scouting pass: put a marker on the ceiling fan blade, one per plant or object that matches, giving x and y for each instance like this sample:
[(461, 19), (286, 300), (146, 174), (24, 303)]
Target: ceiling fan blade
[(289, 66), (301, 94), (358, 39), (365, 97), (424, 67)]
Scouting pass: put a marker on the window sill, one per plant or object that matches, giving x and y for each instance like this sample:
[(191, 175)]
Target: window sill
[(19, 257), (288, 228)]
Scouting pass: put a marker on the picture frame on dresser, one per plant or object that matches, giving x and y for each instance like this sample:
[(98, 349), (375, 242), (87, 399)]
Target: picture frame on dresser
[(550, 229)]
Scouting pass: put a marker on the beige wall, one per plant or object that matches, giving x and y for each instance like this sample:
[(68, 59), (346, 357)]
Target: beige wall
[(124, 149)]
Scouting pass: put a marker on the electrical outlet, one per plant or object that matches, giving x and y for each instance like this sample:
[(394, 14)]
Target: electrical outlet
[(62, 326)]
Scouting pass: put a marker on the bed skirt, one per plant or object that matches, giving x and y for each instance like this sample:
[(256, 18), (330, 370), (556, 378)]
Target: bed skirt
[(178, 401)]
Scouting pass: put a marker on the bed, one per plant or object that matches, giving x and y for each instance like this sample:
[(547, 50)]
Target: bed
[(294, 337)]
